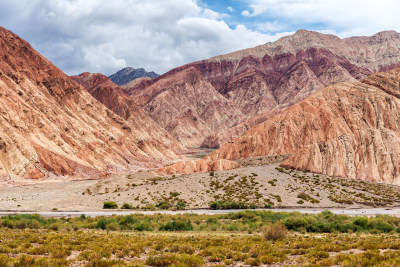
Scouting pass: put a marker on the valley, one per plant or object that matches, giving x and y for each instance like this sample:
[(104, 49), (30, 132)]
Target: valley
[(261, 184), (199, 133)]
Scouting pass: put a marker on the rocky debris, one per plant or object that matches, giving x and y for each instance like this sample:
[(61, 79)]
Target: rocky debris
[(128, 74), (51, 126), (197, 166), (348, 129)]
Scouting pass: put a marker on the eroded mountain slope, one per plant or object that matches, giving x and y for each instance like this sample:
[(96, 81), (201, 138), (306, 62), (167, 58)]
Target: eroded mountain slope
[(348, 129), (50, 126), (264, 80)]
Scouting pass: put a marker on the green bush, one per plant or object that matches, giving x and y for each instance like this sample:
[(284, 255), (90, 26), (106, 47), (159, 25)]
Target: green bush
[(164, 205), (180, 205), (143, 226), (361, 222), (226, 205), (101, 224), (175, 225), (110, 205), (275, 231), (127, 206)]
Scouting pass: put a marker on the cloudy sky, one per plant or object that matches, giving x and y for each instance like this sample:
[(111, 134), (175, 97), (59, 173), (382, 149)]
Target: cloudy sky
[(105, 36)]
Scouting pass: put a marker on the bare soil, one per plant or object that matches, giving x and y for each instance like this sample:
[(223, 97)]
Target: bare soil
[(256, 184)]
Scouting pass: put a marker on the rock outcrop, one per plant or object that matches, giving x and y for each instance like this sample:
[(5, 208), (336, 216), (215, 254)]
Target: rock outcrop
[(348, 129), (264, 80), (187, 106), (197, 166), (128, 74), (113, 97), (51, 126)]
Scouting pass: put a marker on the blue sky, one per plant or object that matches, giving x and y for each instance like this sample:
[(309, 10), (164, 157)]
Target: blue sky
[(105, 36)]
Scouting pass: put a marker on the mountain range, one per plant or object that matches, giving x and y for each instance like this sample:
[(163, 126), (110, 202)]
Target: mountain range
[(349, 129), (262, 81), (51, 127), (331, 103)]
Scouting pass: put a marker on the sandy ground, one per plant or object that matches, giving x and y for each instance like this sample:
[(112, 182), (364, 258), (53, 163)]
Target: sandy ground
[(345, 211), (259, 185)]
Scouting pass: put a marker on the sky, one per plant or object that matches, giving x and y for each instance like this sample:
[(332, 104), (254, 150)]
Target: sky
[(105, 36)]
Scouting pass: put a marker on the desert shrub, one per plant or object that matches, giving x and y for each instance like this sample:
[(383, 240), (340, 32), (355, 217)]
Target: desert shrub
[(211, 221), (180, 205), (127, 206), (127, 220), (361, 222), (275, 231), (7, 223), (226, 205), (303, 196), (21, 224), (164, 205), (177, 225), (170, 259), (113, 226), (101, 223), (34, 224), (143, 226), (110, 205), (380, 224)]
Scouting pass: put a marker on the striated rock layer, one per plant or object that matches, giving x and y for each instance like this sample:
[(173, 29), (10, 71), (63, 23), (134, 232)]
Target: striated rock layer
[(264, 80), (188, 107), (113, 97), (348, 129), (51, 126)]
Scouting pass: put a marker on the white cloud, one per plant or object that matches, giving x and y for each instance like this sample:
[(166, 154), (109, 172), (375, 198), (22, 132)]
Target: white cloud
[(355, 17), (104, 36), (246, 13), (270, 26)]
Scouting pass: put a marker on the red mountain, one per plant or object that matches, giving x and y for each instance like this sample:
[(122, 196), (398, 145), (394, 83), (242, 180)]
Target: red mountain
[(52, 126), (264, 80), (113, 97), (348, 129)]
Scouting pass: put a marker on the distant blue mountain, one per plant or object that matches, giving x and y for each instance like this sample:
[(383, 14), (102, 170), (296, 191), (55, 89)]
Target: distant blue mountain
[(129, 74)]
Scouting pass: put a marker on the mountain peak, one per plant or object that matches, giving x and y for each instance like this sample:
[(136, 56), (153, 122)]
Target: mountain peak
[(128, 74)]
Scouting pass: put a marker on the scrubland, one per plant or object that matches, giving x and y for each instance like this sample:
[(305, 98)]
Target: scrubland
[(249, 238)]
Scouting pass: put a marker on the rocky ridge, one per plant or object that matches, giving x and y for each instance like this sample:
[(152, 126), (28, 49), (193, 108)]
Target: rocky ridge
[(349, 129), (264, 80), (53, 128), (113, 97), (188, 107)]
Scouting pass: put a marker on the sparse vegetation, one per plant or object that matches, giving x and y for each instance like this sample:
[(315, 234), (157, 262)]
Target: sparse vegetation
[(110, 205), (227, 205), (127, 206), (275, 231), (254, 238)]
